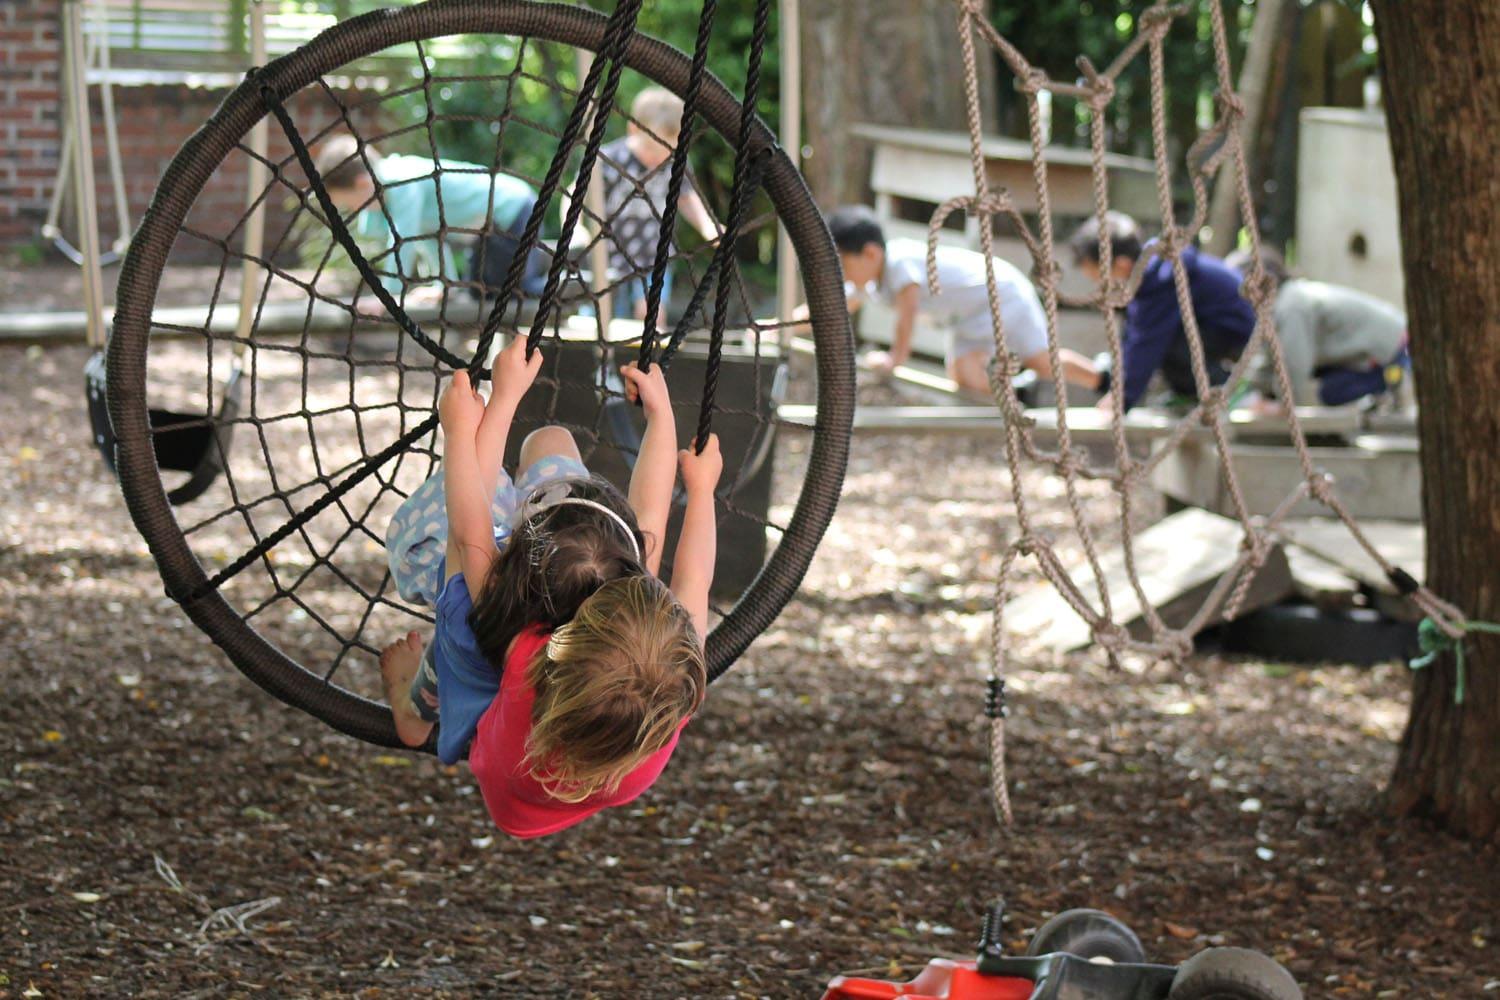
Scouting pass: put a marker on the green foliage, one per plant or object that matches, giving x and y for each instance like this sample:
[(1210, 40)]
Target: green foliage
[(1054, 35), (31, 254)]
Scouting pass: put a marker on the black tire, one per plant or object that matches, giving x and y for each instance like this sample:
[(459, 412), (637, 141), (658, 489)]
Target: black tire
[(1302, 633), (1233, 974), (1088, 934), (310, 688)]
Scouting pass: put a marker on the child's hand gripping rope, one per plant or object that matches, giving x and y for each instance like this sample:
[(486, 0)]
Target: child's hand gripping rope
[(514, 373)]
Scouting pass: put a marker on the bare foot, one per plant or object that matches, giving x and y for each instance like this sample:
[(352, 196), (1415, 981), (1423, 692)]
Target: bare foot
[(399, 663)]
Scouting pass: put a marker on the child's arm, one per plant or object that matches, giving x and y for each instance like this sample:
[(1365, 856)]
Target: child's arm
[(514, 375), (471, 533), (693, 573), (1152, 322), (696, 213), (906, 324), (655, 469), (901, 337)]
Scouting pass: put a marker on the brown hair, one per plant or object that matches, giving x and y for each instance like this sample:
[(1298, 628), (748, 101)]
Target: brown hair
[(554, 561), (612, 687), (340, 163)]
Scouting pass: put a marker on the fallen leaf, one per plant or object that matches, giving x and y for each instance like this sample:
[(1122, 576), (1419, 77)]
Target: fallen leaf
[(52, 736), (387, 760), (1181, 931), (389, 962)]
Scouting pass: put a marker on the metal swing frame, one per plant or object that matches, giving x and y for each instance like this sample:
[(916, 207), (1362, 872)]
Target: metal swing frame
[(95, 53), (194, 443)]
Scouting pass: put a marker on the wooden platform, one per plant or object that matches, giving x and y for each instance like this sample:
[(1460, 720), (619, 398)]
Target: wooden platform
[(274, 318), (1179, 558), (1086, 424), (1332, 571), (1376, 476)]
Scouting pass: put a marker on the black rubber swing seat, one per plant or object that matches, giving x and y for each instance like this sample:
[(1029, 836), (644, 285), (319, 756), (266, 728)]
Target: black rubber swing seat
[(195, 443), (203, 578)]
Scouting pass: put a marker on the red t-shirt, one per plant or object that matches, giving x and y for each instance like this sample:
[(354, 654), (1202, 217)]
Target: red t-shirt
[(518, 803)]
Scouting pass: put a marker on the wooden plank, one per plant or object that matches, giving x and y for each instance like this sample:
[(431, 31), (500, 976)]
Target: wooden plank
[(904, 419), (932, 166), (1179, 559), (1088, 426), (1319, 581), (1376, 478), (275, 318), (1403, 543), (1404, 423), (918, 374), (994, 147), (1316, 421)]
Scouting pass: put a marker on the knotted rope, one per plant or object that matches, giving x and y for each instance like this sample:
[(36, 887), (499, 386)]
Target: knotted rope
[(1221, 143)]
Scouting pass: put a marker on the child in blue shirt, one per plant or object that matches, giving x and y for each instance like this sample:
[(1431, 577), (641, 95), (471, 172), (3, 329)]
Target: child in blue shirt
[(1155, 338), (431, 217)]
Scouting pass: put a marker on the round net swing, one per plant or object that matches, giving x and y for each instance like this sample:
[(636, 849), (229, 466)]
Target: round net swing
[(315, 401), (1218, 150)]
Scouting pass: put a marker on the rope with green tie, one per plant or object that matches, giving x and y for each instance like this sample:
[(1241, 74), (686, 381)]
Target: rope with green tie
[(1434, 642)]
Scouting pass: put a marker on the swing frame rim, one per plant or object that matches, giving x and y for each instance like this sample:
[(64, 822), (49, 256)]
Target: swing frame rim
[(184, 179)]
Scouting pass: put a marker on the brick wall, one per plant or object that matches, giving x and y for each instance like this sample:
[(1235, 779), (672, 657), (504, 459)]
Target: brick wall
[(29, 115), (153, 123)]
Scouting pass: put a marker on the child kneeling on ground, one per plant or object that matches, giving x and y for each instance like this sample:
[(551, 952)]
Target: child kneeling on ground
[(560, 662)]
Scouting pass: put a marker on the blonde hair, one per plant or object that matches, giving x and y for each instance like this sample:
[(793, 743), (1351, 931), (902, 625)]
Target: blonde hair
[(612, 687), (658, 111)]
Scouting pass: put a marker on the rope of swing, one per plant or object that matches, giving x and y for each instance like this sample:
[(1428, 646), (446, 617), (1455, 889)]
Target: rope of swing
[(749, 166), (617, 34)]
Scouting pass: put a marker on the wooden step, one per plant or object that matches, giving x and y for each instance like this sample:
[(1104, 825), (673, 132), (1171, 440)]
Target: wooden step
[(1179, 560)]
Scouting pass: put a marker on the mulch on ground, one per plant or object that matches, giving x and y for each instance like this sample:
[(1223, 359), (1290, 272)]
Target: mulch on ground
[(171, 831)]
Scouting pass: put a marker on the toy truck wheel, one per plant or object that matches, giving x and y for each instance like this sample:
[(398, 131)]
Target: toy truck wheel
[(1233, 974), (1087, 934)]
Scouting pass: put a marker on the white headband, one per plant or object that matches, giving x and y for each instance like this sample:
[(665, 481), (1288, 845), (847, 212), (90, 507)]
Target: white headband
[(541, 501)]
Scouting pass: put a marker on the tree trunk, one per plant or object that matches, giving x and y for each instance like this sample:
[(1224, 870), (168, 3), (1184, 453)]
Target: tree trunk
[(1440, 70), (1254, 89), (885, 62)]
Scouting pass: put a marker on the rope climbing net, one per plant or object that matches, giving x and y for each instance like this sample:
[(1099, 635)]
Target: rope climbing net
[(320, 413), (1218, 149)]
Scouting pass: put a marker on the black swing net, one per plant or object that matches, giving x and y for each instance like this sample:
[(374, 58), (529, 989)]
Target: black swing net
[(317, 413)]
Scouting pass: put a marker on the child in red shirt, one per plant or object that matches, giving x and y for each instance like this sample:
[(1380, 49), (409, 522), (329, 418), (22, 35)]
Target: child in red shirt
[(568, 670)]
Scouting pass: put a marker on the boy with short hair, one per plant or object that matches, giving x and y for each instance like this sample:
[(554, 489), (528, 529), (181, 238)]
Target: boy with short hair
[(1155, 338), (635, 171), (483, 213), (897, 270)]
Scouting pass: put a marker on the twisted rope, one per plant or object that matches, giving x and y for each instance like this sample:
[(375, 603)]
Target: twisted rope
[(739, 199), (621, 27), (674, 183), (1220, 144)]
